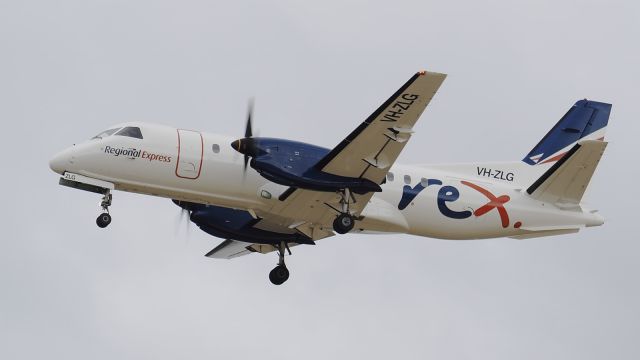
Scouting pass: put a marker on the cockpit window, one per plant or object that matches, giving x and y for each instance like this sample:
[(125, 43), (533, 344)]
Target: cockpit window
[(105, 133), (130, 131)]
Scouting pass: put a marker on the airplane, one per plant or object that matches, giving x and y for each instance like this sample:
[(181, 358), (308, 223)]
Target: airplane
[(265, 195)]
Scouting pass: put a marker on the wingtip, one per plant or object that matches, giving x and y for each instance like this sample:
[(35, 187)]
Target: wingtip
[(430, 73)]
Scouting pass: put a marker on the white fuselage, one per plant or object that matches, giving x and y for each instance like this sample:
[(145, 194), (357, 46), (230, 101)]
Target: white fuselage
[(453, 202)]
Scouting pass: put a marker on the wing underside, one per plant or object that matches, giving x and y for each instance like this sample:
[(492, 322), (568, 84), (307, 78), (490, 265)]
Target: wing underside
[(230, 249)]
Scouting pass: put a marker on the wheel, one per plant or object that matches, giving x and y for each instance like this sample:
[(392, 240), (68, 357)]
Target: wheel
[(103, 220), (279, 275), (343, 223)]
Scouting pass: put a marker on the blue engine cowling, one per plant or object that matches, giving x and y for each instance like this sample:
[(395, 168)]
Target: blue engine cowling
[(236, 225), (292, 163)]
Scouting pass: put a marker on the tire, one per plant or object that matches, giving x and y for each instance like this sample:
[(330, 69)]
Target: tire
[(343, 223), (103, 220), (279, 275)]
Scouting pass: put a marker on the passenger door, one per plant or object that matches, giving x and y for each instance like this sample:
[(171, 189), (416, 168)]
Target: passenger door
[(190, 150)]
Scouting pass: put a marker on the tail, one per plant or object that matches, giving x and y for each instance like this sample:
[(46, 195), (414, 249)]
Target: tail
[(566, 181), (586, 120)]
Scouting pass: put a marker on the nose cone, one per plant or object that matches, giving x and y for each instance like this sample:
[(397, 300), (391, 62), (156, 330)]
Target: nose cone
[(247, 146), (236, 145), (60, 162)]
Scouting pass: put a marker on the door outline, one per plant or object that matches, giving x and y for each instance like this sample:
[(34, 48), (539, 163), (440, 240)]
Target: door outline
[(201, 155)]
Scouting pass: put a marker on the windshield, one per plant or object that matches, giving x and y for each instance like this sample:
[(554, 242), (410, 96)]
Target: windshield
[(105, 133), (130, 131)]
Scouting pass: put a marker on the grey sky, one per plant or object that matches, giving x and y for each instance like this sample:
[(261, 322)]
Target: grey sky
[(142, 290)]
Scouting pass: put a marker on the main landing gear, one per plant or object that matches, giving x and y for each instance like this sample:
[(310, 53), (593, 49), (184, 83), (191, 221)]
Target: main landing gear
[(104, 219), (280, 273), (345, 221)]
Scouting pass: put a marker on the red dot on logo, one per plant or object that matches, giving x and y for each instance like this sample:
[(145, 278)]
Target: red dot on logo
[(517, 225)]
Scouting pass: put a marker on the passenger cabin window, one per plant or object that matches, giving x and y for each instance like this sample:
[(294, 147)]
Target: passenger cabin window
[(215, 148), (105, 133), (390, 176), (407, 179), (130, 131)]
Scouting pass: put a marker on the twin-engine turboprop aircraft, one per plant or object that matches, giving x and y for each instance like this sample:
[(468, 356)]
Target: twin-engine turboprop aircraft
[(300, 193)]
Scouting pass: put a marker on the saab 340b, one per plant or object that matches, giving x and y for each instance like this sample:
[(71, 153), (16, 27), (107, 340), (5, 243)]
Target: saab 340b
[(300, 193)]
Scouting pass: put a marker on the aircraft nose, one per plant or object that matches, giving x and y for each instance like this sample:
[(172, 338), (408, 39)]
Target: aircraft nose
[(60, 162)]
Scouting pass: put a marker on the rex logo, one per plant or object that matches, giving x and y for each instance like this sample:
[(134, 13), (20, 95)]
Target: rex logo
[(448, 194)]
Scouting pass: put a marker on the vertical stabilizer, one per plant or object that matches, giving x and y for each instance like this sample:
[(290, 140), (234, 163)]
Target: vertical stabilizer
[(586, 120)]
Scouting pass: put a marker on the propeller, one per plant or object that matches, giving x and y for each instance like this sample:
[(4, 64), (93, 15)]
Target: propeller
[(248, 132), (246, 145), (183, 217)]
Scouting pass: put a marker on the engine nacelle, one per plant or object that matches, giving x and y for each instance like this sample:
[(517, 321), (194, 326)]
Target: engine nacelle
[(292, 163), (238, 225)]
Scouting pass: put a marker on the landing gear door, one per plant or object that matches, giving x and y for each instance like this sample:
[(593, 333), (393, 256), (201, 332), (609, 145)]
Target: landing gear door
[(190, 150)]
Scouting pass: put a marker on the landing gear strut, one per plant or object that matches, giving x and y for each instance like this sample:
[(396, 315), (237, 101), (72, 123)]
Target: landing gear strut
[(345, 221), (104, 219), (280, 273)]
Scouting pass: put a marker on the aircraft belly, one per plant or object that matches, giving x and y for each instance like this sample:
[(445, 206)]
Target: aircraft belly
[(379, 215)]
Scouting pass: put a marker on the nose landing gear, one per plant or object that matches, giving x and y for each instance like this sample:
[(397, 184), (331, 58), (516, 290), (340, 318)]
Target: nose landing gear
[(280, 273), (104, 219)]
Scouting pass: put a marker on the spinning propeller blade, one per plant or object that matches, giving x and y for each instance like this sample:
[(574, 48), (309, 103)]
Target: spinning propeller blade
[(183, 217), (248, 133), (246, 145)]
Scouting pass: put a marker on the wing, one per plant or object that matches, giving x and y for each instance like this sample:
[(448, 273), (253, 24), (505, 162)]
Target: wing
[(370, 150), (244, 237), (230, 249)]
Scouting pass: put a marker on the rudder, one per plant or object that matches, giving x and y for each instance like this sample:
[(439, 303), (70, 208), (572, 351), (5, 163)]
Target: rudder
[(586, 120)]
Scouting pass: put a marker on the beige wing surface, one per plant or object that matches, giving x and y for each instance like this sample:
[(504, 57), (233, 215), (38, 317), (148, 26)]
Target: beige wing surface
[(368, 152)]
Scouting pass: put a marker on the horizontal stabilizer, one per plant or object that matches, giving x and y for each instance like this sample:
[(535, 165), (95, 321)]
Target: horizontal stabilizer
[(567, 180)]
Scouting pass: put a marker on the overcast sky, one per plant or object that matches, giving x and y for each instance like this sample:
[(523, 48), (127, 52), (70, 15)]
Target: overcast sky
[(142, 289)]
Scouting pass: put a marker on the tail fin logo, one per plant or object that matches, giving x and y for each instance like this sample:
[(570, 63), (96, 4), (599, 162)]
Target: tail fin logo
[(585, 120), (536, 158)]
